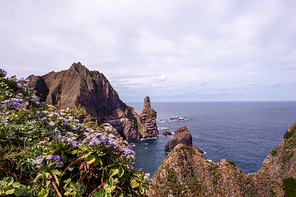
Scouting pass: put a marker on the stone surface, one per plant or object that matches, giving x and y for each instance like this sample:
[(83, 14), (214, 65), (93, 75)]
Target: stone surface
[(91, 89), (165, 133), (186, 172), (182, 135), (148, 120)]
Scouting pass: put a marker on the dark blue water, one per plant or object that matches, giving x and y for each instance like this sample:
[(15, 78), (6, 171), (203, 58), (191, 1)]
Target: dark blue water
[(244, 132)]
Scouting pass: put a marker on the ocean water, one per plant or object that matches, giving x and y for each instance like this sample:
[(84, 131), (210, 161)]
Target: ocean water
[(244, 132)]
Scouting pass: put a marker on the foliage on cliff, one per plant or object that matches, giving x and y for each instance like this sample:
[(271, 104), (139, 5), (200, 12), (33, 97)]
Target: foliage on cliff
[(48, 152)]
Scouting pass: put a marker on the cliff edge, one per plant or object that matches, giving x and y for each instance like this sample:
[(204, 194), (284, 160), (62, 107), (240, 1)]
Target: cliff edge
[(78, 86), (186, 172)]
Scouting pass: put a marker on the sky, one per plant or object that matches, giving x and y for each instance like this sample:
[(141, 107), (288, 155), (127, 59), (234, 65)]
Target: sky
[(169, 50)]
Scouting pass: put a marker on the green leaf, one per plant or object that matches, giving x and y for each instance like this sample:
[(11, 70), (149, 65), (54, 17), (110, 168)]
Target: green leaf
[(64, 156), (112, 165), (16, 184), (66, 182), (18, 191), (67, 192), (113, 172), (43, 168), (82, 189), (86, 154), (91, 159), (42, 193), (11, 191), (142, 190), (134, 183), (39, 176), (73, 185), (56, 172), (51, 166), (9, 181), (57, 180), (121, 171), (98, 160)]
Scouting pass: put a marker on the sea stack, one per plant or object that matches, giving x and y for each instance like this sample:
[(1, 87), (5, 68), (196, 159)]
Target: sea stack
[(182, 135), (148, 119)]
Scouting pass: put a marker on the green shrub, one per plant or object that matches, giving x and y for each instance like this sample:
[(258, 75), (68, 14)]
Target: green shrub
[(232, 163), (290, 133), (273, 152), (289, 187), (51, 153)]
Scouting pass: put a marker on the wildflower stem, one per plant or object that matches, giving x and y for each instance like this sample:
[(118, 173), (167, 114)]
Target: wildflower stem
[(56, 189), (71, 165), (96, 189)]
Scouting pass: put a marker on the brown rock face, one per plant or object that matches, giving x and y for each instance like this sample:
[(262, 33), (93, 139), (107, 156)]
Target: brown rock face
[(90, 89), (148, 120), (186, 172), (165, 133), (182, 135)]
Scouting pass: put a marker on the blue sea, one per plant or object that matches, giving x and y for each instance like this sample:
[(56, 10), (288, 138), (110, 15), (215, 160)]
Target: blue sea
[(244, 132)]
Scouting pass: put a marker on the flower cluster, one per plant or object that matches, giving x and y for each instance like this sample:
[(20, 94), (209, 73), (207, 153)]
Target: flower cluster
[(147, 176), (57, 138), (55, 158)]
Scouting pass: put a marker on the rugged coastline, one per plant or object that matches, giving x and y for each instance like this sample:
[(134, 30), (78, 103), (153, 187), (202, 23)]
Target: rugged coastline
[(186, 172), (79, 87)]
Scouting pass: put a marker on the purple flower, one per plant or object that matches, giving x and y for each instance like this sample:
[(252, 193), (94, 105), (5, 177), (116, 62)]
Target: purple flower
[(147, 176), (19, 85), (38, 160), (42, 119), (56, 131), (48, 157), (51, 123)]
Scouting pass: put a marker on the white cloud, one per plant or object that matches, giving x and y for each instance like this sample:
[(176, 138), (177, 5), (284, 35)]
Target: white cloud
[(162, 48)]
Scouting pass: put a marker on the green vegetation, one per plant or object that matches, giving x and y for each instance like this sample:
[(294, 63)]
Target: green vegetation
[(273, 152), (290, 133), (231, 163), (289, 187), (48, 152)]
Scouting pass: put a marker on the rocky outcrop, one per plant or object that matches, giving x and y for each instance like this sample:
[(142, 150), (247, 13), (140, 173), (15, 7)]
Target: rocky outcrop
[(148, 120), (165, 133), (186, 172), (280, 163), (182, 135), (78, 86)]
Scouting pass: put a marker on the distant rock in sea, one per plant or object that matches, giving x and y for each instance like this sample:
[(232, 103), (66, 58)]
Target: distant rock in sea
[(165, 133), (182, 135), (78, 86)]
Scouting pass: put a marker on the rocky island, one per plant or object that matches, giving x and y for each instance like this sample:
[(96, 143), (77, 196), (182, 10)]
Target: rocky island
[(79, 87)]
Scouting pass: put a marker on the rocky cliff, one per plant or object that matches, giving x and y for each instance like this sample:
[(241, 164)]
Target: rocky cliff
[(186, 172), (148, 119), (182, 135), (78, 86)]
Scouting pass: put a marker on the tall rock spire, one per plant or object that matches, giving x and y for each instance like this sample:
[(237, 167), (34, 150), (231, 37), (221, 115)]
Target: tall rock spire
[(148, 119)]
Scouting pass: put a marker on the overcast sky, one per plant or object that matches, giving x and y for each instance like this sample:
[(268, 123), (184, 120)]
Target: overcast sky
[(171, 50)]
